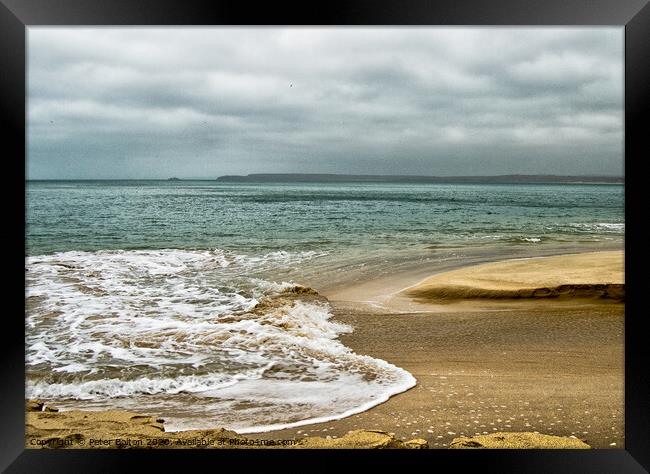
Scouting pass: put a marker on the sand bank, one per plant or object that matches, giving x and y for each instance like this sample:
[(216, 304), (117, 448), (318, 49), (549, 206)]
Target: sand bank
[(586, 275)]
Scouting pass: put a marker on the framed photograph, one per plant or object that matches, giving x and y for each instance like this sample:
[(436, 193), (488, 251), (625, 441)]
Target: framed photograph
[(329, 233)]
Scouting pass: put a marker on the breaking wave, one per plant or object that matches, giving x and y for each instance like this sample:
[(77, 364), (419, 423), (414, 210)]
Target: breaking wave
[(201, 337)]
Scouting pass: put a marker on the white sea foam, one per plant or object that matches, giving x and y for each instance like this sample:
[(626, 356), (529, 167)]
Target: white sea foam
[(143, 328), (616, 227)]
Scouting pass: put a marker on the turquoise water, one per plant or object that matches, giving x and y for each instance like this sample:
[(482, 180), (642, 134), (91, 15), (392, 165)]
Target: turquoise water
[(144, 295), (255, 218)]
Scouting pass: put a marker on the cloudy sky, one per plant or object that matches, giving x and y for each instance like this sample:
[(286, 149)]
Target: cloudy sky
[(204, 102)]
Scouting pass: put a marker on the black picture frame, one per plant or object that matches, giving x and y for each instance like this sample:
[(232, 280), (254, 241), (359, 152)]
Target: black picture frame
[(633, 15)]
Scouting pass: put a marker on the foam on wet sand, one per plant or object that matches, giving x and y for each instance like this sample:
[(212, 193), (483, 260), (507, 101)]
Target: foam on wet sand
[(527, 368)]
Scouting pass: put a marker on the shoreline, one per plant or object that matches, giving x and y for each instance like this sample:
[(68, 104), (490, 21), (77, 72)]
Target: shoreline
[(391, 293), (480, 372), (455, 352)]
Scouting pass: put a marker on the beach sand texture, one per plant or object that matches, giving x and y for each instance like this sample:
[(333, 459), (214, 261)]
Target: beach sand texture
[(543, 367), (585, 275)]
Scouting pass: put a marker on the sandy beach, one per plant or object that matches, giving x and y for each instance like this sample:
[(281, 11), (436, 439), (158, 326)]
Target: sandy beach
[(551, 365), (552, 370), (491, 353)]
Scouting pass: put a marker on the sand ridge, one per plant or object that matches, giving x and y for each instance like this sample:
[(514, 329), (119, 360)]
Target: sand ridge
[(584, 275)]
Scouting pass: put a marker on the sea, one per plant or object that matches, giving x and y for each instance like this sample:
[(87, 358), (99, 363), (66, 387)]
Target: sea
[(166, 297)]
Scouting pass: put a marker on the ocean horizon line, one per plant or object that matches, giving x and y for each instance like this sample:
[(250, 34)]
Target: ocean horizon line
[(375, 178)]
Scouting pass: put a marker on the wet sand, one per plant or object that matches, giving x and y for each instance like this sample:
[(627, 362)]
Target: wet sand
[(553, 366), (548, 365), (533, 368)]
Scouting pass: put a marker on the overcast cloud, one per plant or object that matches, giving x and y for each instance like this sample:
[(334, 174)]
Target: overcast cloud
[(190, 102)]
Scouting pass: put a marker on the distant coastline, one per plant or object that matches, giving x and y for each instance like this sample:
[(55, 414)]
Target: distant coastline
[(369, 178), (361, 178)]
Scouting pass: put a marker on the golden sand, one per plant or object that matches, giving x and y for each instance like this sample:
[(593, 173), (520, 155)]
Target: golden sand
[(586, 275), (119, 429), (518, 441), (47, 428)]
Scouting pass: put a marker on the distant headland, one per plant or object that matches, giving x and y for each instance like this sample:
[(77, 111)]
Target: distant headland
[(368, 178)]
